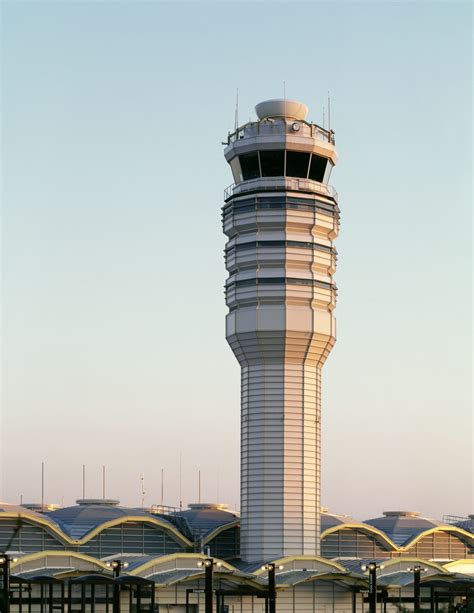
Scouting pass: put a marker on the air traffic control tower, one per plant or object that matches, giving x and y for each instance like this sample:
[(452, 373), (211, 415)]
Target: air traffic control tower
[(281, 217)]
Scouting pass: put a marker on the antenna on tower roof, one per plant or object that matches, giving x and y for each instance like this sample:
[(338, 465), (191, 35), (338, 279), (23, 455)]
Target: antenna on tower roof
[(162, 485), (42, 486), (329, 112), (103, 482), (83, 481), (237, 109)]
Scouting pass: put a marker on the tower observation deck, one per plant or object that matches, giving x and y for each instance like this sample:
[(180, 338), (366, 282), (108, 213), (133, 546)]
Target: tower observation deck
[(280, 217)]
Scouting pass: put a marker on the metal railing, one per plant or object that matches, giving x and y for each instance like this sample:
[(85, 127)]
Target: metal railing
[(269, 125), (285, 183)]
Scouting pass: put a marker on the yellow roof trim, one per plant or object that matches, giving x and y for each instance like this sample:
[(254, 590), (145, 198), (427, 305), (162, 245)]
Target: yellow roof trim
[(175, 556), (66, 539), (442, 528), (40, 521), (363, 528), (288, 559), (462, 561), (30, 557), (217, 531), (394, 561), (134, 518)]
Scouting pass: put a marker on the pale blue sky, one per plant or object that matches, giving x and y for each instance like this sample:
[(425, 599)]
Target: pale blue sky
[(113, 308)]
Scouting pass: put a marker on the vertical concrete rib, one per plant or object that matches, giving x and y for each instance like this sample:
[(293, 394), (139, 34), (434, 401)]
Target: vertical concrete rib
[(280, 323)]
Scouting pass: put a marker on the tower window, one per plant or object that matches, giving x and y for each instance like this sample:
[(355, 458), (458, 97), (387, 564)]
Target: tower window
[(297, 164), (317, 168), (273, 163), (250, 166)]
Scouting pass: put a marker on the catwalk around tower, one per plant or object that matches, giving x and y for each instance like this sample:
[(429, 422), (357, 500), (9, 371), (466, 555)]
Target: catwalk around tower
[(281, 218)]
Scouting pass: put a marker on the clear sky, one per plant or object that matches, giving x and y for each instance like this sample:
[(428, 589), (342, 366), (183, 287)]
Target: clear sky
[(113, 307)]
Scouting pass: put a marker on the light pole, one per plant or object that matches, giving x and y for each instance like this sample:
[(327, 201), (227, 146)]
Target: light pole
[(372, 567), (271, 585), (417, 570), (116, 566), (209, 564), (5, 561)]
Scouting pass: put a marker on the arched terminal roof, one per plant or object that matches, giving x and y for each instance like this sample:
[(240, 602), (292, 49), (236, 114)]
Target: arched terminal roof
[(329, 520), (205, 518), (87, 515), (402, 526)]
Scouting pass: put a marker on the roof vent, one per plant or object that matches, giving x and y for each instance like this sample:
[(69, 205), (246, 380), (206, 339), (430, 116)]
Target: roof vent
[(401, 514), (281, 108), (106, 502), (214, 506)]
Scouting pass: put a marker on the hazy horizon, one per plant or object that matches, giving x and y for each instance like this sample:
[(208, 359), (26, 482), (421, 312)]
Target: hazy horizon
[(113, 309)]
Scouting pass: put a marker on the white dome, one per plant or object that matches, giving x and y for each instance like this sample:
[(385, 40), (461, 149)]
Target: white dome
[(281, 108)]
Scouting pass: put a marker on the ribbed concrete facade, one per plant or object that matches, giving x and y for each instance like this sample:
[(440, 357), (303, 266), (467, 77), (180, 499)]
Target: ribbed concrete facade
[(280, 324)]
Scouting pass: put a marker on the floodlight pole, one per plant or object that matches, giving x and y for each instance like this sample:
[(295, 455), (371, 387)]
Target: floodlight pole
[(372, 567), (5, 566), (271, 597), (417, 570)]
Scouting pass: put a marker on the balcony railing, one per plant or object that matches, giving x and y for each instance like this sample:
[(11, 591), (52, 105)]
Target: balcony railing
[(284, 183)]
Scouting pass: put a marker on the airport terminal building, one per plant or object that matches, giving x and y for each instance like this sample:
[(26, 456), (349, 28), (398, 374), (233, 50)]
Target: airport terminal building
[(72, 548)]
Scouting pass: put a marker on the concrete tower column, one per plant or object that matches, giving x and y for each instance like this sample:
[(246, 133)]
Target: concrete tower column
[(281, 218)]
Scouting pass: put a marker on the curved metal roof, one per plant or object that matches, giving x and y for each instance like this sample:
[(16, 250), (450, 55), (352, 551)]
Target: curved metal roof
[(79, 520), (202, 519), (329, 520), (402, 526)]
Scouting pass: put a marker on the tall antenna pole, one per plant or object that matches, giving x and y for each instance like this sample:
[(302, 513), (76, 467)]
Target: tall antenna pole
[(236, 120), (83, 481), (143, 492), (199, 487), (162, 487), (329, 112), (42, 486), (180, 482), (103, 482)]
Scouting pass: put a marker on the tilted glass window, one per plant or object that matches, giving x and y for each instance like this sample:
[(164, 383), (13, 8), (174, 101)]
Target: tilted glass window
[(317, 168), (297, 164), (273, 163), (249, 165)]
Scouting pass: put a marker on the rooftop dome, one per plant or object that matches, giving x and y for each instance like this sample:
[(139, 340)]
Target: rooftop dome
[(204, 518), (402, 526), (281, 108)]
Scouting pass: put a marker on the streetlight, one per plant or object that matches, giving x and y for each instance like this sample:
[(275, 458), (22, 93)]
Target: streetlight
[(208, 564), (116, 566), (5, 561), (417, 570), (372, 567), (271, 585)]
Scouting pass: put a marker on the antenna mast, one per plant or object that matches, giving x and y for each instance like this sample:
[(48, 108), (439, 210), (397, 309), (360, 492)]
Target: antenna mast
[(103, 482), (329, 112), (180, 482), (42, 486), (162, 486), (236, 119), (83, 481), (199, 487), (143, 491)]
